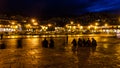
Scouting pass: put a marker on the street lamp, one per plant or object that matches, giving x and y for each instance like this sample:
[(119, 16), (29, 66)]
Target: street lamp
[(106, 24), (71, 22), (35, 23), (88, 27), (81, 27), (78, 25), (96, 24), (33, 20), (91, 25), (13, 23), (49, 25)]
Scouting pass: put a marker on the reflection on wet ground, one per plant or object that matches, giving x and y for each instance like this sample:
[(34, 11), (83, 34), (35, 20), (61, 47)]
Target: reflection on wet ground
[(28, 53)]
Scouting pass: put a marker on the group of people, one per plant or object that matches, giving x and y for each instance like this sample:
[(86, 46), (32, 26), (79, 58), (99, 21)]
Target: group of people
[(47, 44), (84, 43)]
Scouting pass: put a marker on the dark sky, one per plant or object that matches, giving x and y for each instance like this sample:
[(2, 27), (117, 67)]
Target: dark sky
[(58, 7)]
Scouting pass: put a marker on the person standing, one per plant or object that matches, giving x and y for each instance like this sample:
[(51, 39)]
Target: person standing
[(45, 43), (94, 43), (19, 43), (88, 43), (51, 45), (74, 47), (1, 36), (79, 42), (74, 43), (83, 42)]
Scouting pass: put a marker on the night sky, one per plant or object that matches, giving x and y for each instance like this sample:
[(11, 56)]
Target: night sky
[(58, 7)]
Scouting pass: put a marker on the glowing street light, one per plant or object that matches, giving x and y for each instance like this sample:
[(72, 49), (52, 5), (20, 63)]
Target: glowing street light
[(13, 23), (28, 25), (95, 27), (33, 20), (78, 25), (35, 23), (91, 25), (81, 27), (74, 27), (66, 26), (106, 24), (71, 22), (88, 27), (49, 25), (16, 26), (96, 24)]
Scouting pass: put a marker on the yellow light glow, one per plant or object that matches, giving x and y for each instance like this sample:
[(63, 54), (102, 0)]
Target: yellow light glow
[(95, 27), (105, 46), (35, 23), (67, 26), (81, 27), (43, 27), (49, 25), (71, 22), (91, 25), (13, 23), (88, 27), (33, 20), (74, 27), (106, 24), (8, 25), (16, 26), (78, 25), (96, 24), (19, 25), (36, 36), (119, 26), (28, 25), (46, 28)]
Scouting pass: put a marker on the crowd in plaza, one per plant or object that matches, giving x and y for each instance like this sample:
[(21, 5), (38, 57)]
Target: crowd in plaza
[(79, 43), (84, 43)]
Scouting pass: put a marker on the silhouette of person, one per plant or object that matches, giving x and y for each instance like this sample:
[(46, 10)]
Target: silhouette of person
[(67, 39), (45, 43), (51, 45), (19, 41), (74, 45), (1, 36), (84, 42), (79, 42), (94, 43), (88, 42), (2, 46)]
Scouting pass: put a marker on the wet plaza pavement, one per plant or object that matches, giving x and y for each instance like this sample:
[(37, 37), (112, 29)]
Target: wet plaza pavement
[(32, 55)]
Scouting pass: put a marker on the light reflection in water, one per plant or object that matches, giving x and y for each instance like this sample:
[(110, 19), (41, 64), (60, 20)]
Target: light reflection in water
[(105, 45), (36, 36)]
